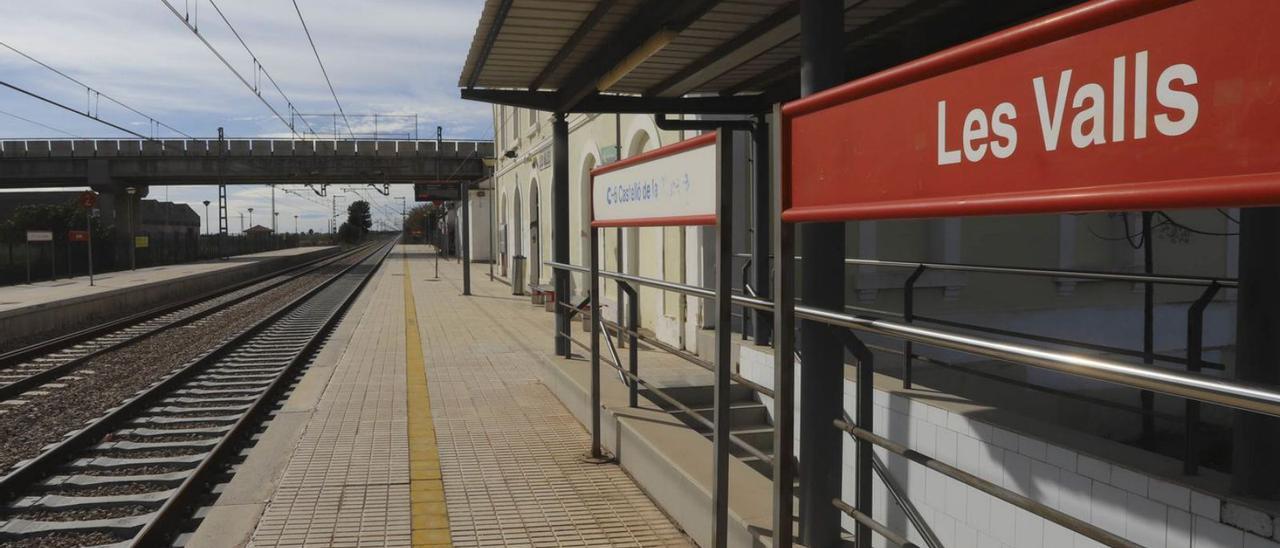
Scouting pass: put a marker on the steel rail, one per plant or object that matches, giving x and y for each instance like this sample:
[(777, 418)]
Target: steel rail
[(11, 357), (27, 474), (173, 509), (1235, 394), (15, 388)]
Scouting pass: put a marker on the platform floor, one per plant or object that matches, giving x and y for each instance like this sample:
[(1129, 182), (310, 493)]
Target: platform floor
[(44, 292), (423, 422)]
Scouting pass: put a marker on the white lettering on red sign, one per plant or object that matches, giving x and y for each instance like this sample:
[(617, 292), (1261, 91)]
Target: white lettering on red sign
[(995, 134)]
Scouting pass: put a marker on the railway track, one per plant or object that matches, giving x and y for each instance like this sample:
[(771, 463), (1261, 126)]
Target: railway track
[(129, 478), (30, 367)]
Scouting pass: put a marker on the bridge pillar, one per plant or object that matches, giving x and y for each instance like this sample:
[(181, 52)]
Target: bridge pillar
[(115, 206)]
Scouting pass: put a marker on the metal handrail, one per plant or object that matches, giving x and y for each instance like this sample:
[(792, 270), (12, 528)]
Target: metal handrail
[(742, 444), (1238, 395), (1038, 508), (1197, 281)]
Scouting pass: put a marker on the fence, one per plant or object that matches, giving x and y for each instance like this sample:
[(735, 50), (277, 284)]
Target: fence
[(62, 259)]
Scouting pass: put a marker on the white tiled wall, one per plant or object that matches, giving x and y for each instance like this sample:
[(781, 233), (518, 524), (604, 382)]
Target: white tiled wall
[(1145, 510)]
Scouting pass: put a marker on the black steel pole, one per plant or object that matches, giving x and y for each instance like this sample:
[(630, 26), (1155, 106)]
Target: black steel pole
[(724, 337), (597, 453), (762, 320), (1257, 438), (784, 356), (466, 238), (560, 226), (822, 285)]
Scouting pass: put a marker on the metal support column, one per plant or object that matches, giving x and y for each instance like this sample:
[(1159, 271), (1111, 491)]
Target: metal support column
[(1257, 438), (465, 188), (560, 226), (822, 285), (724, 337), (784, 356), (761, 321), (597, 453)]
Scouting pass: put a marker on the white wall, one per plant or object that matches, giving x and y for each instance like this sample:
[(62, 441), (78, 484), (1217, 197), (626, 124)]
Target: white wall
[(1126, 502), (481, 239)]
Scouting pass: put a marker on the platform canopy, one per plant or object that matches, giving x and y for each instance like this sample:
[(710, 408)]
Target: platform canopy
[(698, 56)]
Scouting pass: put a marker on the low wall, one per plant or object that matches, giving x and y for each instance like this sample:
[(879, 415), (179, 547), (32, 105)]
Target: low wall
[(69, 314)]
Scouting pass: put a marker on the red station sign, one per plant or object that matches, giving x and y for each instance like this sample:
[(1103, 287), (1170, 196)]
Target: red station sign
[(1111, 105)]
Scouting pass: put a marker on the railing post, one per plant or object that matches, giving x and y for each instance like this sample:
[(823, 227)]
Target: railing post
[(724, 332), (633, 352), (908, 314), (1195, 347), (863, 414), (784, 357), (597, 454)]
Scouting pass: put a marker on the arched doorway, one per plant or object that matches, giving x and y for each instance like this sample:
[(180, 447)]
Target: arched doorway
[(535, 233)]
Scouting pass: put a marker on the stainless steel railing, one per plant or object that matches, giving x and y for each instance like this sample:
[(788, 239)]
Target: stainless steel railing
[(1228, 393)]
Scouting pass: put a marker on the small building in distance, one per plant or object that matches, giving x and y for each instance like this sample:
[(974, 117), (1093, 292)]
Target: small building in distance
[(257, 231)]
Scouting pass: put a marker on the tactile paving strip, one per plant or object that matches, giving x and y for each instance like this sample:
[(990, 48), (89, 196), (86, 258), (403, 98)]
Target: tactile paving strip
[(509, 450)]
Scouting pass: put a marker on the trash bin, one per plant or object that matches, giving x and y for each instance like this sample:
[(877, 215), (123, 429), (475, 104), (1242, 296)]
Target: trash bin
[(517, 275)]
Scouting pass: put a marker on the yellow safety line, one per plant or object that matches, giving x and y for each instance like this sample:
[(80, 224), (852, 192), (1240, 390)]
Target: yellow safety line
[(426, 492)]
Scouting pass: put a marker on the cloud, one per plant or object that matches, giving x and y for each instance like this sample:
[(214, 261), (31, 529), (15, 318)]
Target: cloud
[(384, 56), (400, 56)]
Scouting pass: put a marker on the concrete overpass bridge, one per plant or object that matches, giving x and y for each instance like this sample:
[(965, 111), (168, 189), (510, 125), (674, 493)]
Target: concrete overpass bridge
[(112, 163)]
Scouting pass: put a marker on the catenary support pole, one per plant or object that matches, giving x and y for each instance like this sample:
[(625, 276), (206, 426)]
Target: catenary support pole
[(822, 285), (724, 337), (560, 226), (1257, 438), (784, 357), (761, 321)]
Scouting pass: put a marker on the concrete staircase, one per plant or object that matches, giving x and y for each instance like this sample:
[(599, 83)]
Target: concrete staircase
[(748, 419)]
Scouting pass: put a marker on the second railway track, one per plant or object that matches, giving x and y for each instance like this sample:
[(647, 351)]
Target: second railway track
[(30, 367), (129, 477)]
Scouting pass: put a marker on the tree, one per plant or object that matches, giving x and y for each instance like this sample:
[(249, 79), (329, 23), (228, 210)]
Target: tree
[(349, 233), (359, 217)]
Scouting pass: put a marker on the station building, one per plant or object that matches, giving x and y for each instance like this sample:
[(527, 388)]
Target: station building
[(1152, 286)]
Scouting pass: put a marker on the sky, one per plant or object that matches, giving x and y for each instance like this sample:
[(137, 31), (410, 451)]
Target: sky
[(390, 57)]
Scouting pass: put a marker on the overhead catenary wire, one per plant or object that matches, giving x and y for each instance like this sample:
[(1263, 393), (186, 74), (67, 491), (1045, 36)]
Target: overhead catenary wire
[(35, 95), (93, 93), (322, 69), (48, 127), (257, 66)]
